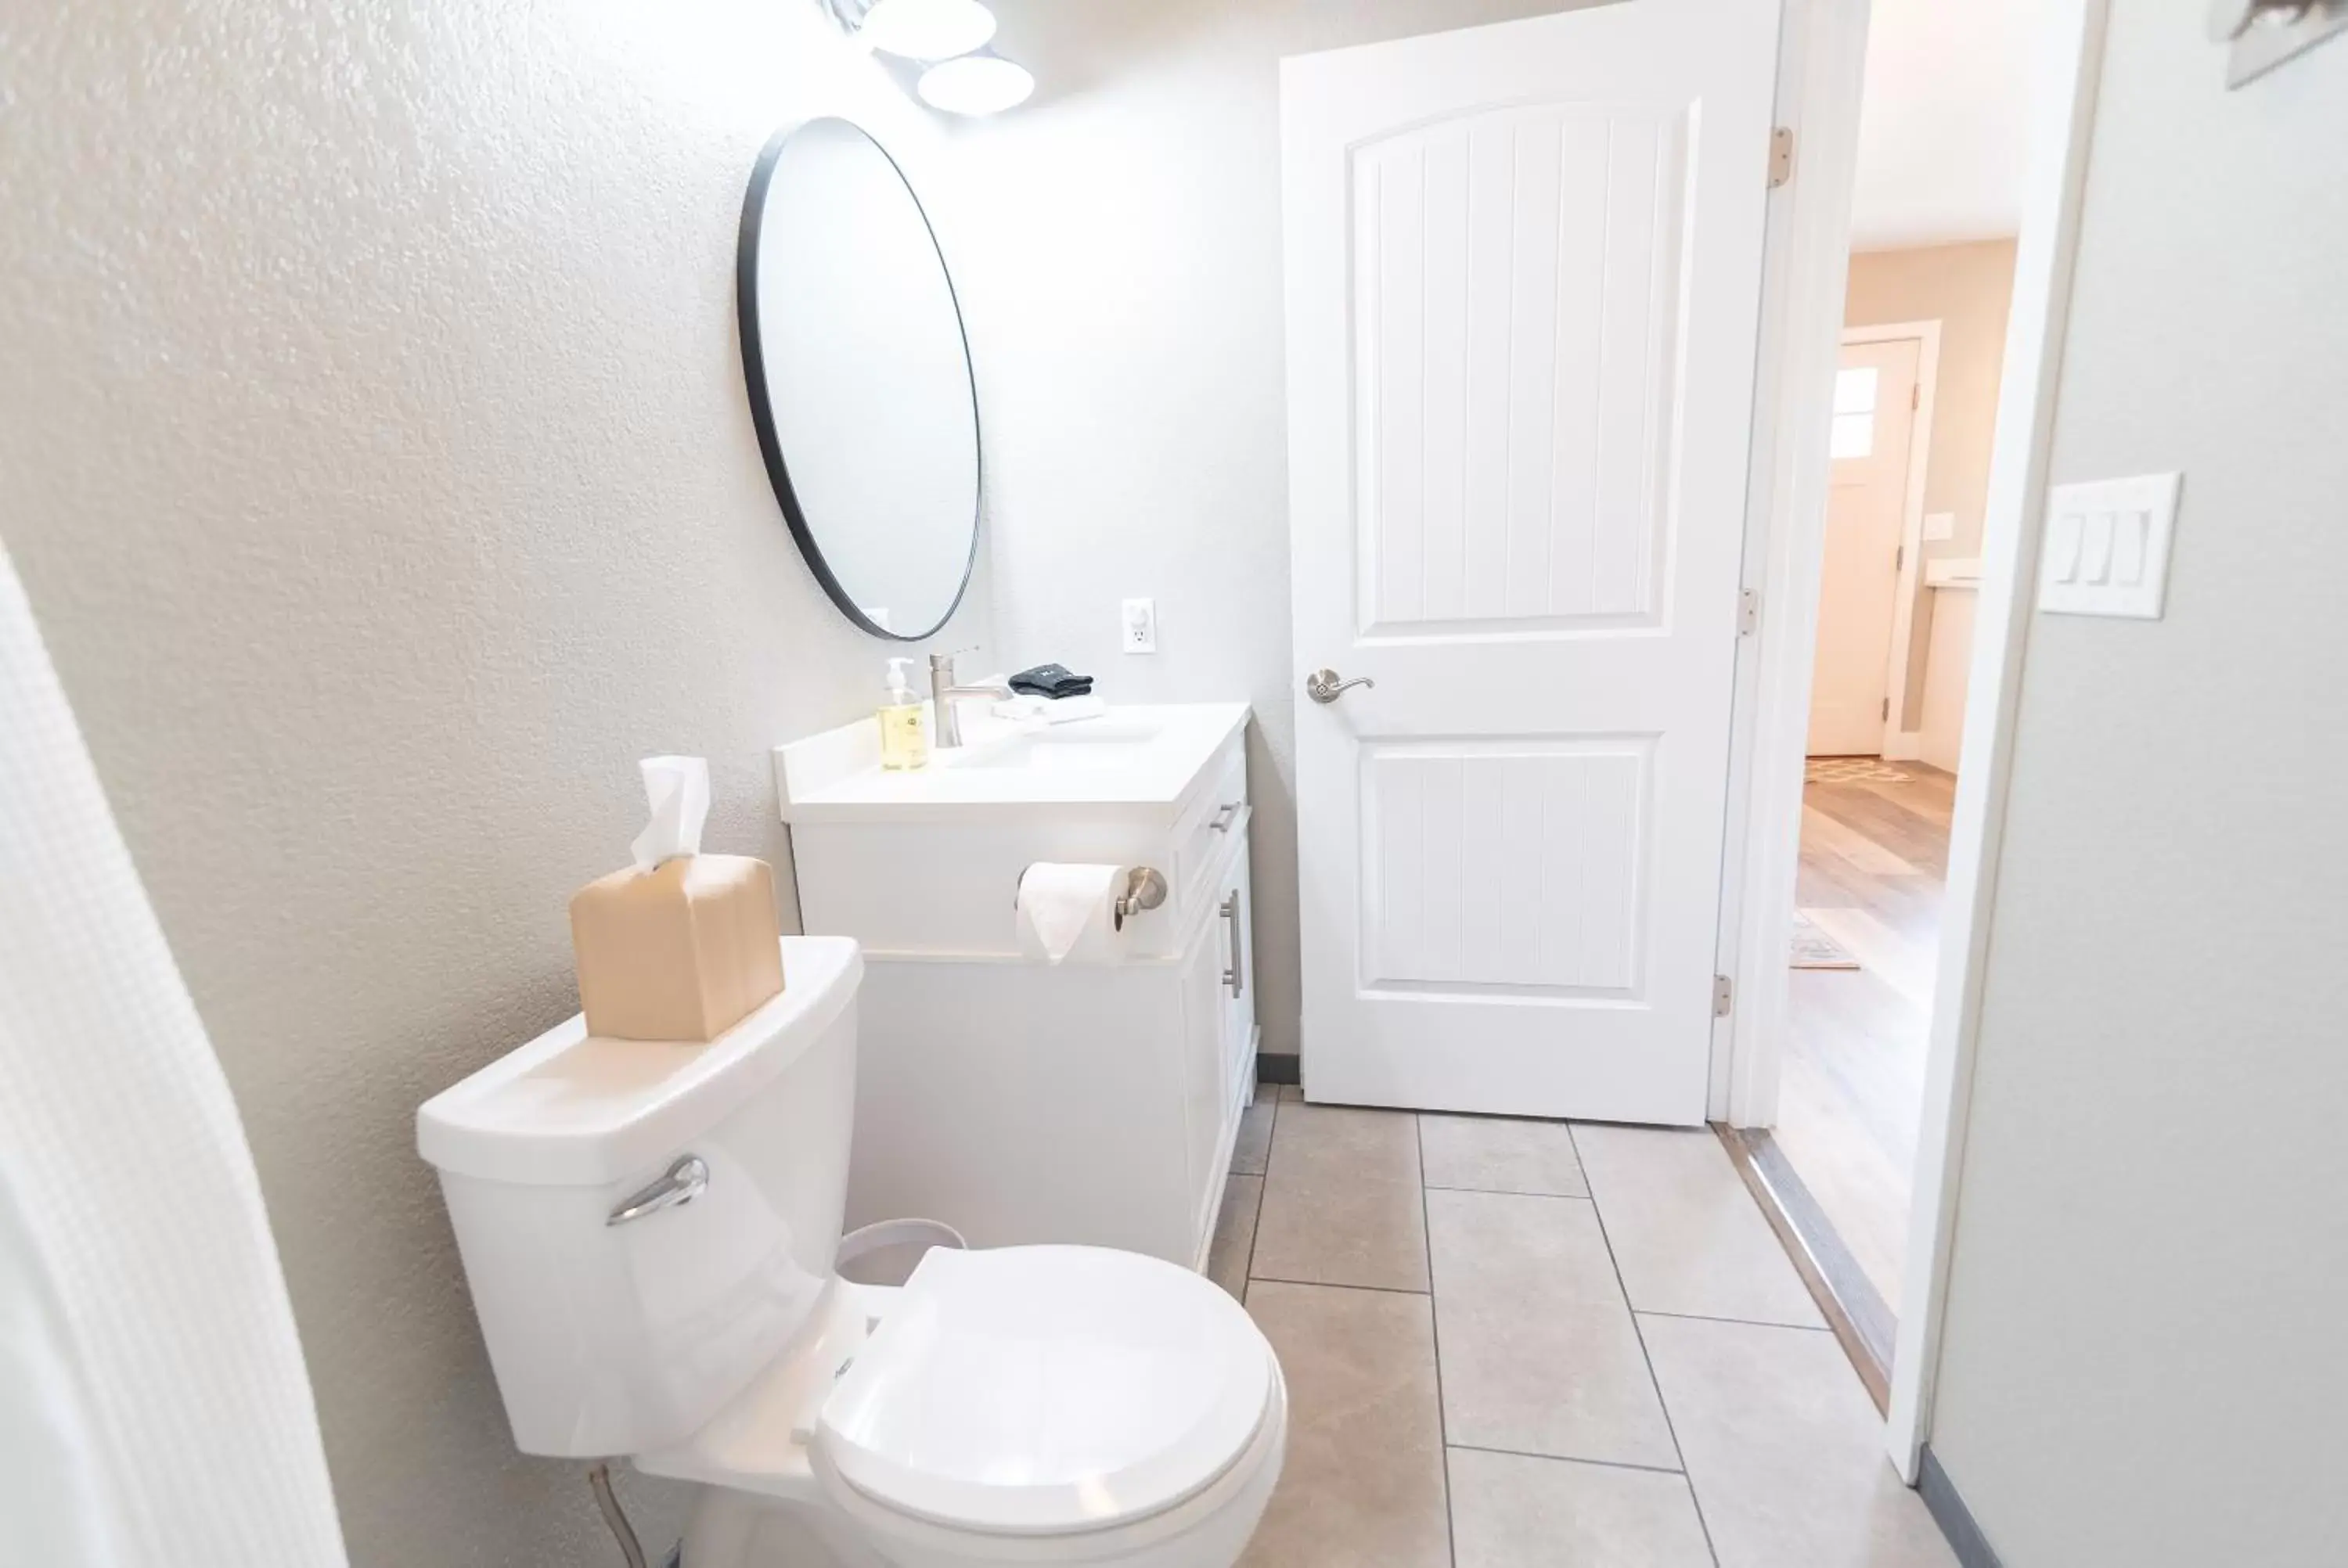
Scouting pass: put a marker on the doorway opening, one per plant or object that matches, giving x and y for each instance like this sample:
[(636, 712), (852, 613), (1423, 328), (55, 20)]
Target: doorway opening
[(1891, 554), (1915, 404)]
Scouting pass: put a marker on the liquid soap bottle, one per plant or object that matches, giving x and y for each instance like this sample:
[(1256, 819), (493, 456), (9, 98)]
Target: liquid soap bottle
[(904, 723)]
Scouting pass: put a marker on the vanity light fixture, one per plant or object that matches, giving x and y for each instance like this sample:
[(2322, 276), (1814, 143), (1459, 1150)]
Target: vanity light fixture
[(978, 83), (927, 29)]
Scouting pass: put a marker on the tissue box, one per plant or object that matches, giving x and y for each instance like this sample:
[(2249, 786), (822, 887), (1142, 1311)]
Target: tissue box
[(683, 952)]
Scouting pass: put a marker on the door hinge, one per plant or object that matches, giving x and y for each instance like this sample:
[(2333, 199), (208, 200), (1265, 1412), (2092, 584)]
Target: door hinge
[(1781, 156), (1887, 709), (1748, 612), (1723, 991), (1899, 556), (1915, 398)]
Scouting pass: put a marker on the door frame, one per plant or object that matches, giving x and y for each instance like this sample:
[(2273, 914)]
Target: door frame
[(1900, 744), (1820, 73)]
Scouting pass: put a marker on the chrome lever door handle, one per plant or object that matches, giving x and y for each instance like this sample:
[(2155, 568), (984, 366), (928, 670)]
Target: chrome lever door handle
[(681, 1183), (1324, 685)]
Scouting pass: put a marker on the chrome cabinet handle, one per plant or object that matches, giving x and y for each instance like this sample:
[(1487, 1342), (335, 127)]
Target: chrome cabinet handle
[(681, 1183), (1236, 976), (1225, 817), (1323, 686)]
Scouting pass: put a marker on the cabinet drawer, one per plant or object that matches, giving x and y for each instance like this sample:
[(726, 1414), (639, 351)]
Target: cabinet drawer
[(1214, 819)]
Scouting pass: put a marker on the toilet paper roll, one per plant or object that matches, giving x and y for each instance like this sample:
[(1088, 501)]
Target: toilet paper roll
[(1067, 911)]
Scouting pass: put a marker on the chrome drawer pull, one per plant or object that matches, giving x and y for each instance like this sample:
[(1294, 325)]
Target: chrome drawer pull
[(1236, 976)]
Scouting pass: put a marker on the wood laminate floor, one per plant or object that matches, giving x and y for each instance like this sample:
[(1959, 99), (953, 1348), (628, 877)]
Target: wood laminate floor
[(1875, 855)]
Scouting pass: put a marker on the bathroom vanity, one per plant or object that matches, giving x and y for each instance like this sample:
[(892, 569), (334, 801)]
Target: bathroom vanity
[(1092, 1101)]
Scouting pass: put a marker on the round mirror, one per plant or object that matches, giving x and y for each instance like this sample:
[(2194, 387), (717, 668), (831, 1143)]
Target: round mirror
[(859, 378)]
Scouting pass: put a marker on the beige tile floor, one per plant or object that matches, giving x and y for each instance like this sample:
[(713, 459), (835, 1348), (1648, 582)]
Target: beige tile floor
[(1514, 1344)]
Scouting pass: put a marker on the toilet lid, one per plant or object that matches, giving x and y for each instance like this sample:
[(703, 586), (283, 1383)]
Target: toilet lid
[(1041, 1390)]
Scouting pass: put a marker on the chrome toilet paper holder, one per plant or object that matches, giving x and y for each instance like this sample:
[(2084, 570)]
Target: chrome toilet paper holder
[(1145, 888)]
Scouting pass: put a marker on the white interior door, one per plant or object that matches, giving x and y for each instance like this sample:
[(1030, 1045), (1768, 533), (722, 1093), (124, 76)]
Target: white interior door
[(1523, 267), (1867, 505)]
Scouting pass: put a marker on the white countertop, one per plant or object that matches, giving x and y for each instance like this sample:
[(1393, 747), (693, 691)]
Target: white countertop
[(1144, 754)]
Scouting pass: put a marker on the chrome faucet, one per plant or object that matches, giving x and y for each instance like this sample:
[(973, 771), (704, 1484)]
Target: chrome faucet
[(943, 690)]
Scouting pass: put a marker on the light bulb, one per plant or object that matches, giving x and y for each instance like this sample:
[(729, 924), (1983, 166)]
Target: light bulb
[(927, 29), (975, 85)]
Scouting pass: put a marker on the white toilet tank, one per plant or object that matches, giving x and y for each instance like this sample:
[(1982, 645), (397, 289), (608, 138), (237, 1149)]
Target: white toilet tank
[(613, 1338)]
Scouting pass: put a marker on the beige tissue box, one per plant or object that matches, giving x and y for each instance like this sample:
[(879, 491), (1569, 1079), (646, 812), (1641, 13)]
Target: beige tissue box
[(683, 952)]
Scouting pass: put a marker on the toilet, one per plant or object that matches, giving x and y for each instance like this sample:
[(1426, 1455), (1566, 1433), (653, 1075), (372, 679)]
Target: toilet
[(652, 1234)]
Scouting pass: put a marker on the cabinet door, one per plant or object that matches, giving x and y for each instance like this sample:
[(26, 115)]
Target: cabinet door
[(1235, 913), (1206, 1098)]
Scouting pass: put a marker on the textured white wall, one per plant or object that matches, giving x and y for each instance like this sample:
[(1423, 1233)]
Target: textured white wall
[(374, 449), (1126, 307), (2143, 1364)]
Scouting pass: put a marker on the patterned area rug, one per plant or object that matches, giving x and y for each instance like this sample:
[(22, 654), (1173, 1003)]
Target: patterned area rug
[(1852, 769), (1814, 949)]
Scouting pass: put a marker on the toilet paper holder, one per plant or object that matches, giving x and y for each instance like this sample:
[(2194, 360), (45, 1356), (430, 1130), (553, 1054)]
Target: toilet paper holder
[(1145, 888)]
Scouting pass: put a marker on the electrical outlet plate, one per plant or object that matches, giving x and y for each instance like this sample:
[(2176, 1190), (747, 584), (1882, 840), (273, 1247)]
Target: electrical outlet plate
[(1139, 623), (2106, 548)]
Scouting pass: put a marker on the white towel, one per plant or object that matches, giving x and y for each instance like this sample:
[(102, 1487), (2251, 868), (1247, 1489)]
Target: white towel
[(154, 1408)]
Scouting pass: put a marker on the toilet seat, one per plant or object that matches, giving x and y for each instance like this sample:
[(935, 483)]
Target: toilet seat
[(1045, 1391)]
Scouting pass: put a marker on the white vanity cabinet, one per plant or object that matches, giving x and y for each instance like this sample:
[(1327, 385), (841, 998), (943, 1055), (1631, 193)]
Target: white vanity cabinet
[(1018, 1101)]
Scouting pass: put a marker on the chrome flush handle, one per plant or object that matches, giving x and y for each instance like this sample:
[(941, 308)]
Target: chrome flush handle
[(681, 1183), (1324, 685)]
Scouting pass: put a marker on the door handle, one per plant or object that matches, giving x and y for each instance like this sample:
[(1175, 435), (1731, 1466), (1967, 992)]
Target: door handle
[(1323, 686), (1236, 976), (680, 1184)]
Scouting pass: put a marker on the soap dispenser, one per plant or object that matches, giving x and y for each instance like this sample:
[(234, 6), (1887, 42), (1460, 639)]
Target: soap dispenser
[(904, 726)]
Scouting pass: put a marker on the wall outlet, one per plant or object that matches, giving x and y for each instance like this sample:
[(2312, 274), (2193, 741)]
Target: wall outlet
[(1140, 623)]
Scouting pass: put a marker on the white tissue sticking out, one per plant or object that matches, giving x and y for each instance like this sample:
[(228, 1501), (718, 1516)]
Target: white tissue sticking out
[(1065, 910), (677, 789)]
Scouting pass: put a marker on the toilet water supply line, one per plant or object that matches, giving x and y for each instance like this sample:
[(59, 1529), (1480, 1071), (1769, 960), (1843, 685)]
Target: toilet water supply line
[(599, 1476)]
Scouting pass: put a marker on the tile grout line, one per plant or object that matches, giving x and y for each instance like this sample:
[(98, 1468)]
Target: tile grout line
[(1504, 1191), (1644, 1354), (1337, 1285), (1435, 1337), (1570, 1459), (1745, 1322), (1262, 1186)]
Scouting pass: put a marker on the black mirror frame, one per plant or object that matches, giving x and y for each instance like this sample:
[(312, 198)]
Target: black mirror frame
[(753, 373)]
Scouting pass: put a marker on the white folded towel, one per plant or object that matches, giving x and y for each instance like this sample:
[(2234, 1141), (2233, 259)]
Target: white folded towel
[(1052, 711)]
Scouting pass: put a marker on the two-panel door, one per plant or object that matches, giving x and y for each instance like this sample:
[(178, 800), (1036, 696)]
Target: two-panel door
[(1523, 274)]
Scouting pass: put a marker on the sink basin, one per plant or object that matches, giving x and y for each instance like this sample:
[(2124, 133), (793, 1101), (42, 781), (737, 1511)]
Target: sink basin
[(1104, 743)]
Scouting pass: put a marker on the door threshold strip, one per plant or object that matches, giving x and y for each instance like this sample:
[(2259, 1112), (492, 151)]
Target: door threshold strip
[(1861, 1323)]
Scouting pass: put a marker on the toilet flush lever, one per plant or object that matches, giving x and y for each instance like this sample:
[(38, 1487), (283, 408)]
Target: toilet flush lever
[(681, 1183)]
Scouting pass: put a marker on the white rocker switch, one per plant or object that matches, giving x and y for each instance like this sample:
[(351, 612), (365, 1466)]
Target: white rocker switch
[(2106, 548)]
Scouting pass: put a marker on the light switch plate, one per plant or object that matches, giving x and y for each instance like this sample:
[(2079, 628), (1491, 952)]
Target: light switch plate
[(2106, 546), (1940, 526)]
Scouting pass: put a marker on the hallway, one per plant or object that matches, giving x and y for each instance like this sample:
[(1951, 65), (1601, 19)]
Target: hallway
[(1875, 849), (1513, 1343)]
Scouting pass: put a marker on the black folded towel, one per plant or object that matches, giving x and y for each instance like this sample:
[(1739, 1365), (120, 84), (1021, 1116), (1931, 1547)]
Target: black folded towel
[(1052, 680)]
